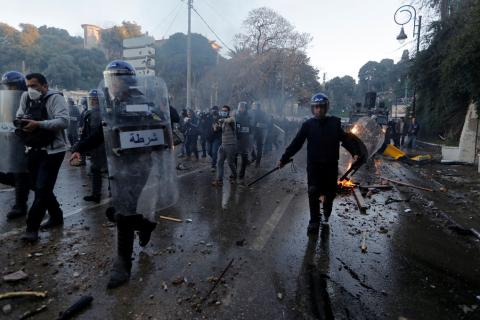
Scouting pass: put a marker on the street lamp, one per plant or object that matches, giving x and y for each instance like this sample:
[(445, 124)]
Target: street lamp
[(403, 16)]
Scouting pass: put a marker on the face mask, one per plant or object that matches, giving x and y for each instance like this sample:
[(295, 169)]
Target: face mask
[(34, 94), (223, 114)]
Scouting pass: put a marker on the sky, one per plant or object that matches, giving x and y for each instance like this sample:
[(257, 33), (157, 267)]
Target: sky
[(346, 33)]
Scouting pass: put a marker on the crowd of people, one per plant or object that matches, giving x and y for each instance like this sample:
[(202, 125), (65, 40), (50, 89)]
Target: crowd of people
[(402, 133), (244, 134)]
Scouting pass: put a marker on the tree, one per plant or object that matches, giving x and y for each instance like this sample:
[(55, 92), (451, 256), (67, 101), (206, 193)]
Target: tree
[(341, 92), (51, 51), (446, 72), (171, 64), (112, 39), (29, 34), (266, 30)]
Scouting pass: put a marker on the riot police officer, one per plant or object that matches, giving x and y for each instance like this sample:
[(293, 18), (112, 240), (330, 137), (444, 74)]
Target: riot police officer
[(92, 141), (260, 127), (324, 135), (139, 148), (74, 117), (14, 161)]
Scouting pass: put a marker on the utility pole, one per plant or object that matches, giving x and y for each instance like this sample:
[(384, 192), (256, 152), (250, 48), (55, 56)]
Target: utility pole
[(189, 55)]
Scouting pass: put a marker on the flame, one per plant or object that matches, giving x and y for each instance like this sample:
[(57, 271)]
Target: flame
[(348, 184)]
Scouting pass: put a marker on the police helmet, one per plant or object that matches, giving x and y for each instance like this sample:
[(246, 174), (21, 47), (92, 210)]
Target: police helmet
[(119, 76), (319, 99), (14, 80)]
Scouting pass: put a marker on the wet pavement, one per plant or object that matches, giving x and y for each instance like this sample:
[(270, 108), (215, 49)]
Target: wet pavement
[(417, 264)]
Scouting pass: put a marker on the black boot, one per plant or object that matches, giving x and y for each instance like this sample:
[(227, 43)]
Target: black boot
[(122, 267), (314, 203), (55, 216), (327, 209), (17, 212), (146, 231), (22, 188), (110, 213), (144, 228), (92, 198), (30, 236), (96, 186)]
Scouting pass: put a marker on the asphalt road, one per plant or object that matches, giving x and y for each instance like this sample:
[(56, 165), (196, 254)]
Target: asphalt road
[(414, 267)]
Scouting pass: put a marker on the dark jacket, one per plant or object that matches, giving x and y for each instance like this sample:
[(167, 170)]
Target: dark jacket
[(174, 117), (323, 141), (92, 133), (243, 130)]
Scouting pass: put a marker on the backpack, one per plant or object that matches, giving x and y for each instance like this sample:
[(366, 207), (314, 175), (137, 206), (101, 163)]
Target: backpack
[(37, 110)]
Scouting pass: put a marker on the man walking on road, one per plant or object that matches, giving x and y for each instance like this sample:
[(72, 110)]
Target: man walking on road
[(323, 134), (44, 117), (228, 149)]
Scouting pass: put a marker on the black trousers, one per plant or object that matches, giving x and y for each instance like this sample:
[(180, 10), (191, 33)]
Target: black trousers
[(43, 172), (244, 164), (322, 180)]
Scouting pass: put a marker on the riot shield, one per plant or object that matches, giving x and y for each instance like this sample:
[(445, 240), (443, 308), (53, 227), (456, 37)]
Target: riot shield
[(371, 134), (139, 144), (13, 159)]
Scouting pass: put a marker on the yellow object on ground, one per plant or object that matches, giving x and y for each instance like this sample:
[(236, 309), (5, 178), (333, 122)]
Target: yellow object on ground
[(394, 152), (421, 157)]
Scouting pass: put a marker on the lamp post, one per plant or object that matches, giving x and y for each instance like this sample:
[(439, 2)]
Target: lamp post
[(403, 16)]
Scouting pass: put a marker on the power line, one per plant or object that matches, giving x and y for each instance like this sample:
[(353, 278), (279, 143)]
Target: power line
[(210, 28), (171, 23), (165, 19), (218, 14)]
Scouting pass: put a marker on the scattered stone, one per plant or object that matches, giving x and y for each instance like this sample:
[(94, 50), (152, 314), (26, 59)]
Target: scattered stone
[(6, 309), (178, 281), (164, 286), (15, 276), (76, 274), (240, 243), (279, 296), (467, 309), (407, 210), (188, 220)]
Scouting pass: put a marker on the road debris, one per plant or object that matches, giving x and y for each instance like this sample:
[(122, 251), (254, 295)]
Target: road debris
[(362, 206), (19, 294), (31, 313), (214, 285), (178, 281), (377, 186), (241, 243), (363, 245), (75, 308), (15, 276), (6, 309), (407, 184), (171, 219)]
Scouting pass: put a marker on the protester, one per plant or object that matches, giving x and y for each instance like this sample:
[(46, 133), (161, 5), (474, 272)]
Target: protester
[(228, 148)]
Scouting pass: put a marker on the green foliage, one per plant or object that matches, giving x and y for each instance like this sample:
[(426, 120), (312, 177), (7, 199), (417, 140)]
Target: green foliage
[(447, 71), (112, 39), (341, 93), (171, 63), (51, 51)]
